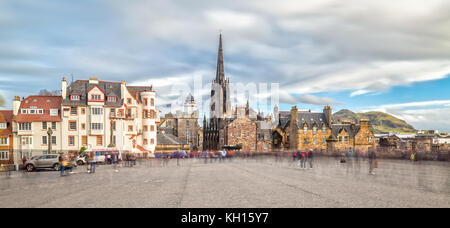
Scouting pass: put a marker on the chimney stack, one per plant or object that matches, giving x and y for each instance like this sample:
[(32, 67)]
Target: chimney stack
[(64, 88), (16, 105)]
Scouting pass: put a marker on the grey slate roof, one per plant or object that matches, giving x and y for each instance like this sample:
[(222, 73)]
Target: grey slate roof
[(348, 127), (169, 139), (82, 87), (138, 89), (310, 118)]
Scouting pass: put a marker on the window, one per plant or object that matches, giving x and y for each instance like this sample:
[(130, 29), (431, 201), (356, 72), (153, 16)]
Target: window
[(248, 134), (24, 111), (4, 155), (145, 128), (96, 126), (25, 126), (152, 128), (53, 112), (96, 97), (346, 139), (324, 130), (53, 140), (4, 141), (340, 138), (113, 125), (97, 111), (239, 134), (75, 97), (145, 114), (83, 126), (83, 111), (253, 146), (152, 102), (32, 111), (84, 140), (145, 101), (323, 141), (73, 110), (152, 141), (2, 125), (54, 125), (369, 139), (44, 140), (305, 141), (130, 127), (114, 140), (187, 123), (71, 140), (129, 100), (145, 142), (99, 140), (112, 99), (305, 130), (40, 111), (27, 140), (266, 146), (44, 125), (72, 125), (314, 141), (314, 130)]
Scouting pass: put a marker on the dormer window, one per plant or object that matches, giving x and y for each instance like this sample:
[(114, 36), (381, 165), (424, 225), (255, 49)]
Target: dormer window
[(305, 130), (324, 130), (96, 97), (32, 111), (112, 99), (53, 112), (40, 111), (74, 97), (314, 130), (23, 111), (2, 126)]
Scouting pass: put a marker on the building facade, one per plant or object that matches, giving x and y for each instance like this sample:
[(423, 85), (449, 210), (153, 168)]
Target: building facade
[(37, 126), (303, 130), (100, 114), (6, 137)]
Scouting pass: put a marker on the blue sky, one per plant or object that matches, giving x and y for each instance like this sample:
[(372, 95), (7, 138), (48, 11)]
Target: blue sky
[(360, 55)]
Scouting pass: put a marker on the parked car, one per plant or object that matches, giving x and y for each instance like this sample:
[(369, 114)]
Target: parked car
[(43, 162)]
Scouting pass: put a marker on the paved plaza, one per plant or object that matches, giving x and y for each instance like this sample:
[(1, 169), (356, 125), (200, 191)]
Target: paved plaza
[(237, 183)]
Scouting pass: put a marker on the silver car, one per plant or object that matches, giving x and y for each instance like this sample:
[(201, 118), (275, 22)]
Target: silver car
[(44, 161)]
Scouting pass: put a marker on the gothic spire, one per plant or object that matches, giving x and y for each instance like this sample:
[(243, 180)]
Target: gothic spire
[(220, 74)]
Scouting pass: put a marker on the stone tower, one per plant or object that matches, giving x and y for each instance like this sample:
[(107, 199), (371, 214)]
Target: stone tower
[(220, 106)]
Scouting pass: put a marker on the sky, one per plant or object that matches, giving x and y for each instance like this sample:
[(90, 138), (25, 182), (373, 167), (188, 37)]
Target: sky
[(391, 56)]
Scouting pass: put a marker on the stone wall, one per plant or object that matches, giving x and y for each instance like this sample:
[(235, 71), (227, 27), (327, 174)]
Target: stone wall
[(242, 131)]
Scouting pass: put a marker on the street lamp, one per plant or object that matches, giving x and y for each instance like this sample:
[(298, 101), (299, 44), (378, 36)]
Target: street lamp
[(49, 133)]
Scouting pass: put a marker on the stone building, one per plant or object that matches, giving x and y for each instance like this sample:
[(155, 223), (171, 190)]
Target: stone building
[(184, 124), (214, 132), (302, 130)]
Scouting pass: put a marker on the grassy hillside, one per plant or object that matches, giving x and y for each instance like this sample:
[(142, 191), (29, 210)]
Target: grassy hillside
[(381, 122)]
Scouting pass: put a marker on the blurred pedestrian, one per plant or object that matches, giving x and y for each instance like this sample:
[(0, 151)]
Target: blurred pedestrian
[(293, 155), (310, 158), (92, 162), (372, 162), (412, 157), (62, 164)]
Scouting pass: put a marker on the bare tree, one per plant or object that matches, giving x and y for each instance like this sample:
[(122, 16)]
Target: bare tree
[(44, 92), (2, 101)]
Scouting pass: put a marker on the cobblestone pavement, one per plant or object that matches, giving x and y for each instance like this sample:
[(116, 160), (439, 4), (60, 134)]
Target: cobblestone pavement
[(263, 182)]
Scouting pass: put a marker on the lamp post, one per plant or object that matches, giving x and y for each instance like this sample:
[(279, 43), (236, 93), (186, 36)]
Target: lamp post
[(49, 133)]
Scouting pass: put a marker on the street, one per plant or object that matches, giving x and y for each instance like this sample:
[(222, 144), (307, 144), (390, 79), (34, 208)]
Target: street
[(237, 183)]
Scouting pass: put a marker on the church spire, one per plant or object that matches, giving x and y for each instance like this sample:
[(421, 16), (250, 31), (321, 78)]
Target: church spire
[(220, 74)]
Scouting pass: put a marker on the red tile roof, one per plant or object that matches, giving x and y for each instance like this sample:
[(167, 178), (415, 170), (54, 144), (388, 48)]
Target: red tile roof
[(40, 102), (6, 116)]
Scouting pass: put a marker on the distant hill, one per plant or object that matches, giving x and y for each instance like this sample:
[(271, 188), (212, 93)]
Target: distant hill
[(381, 122)]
